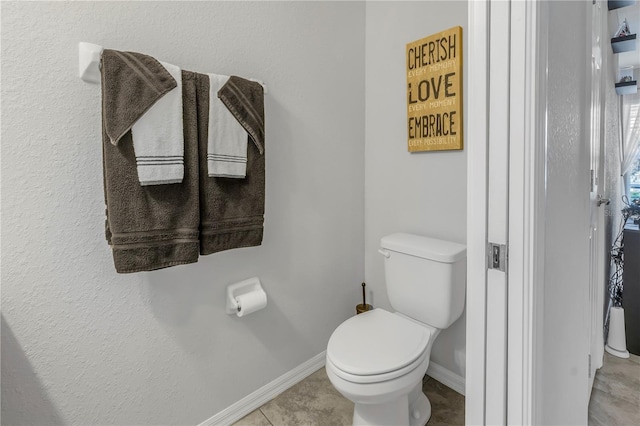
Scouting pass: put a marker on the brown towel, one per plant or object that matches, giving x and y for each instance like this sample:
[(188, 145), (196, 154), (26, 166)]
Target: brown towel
[(148, 227), (232, 210), (245, 100), (132, 83)]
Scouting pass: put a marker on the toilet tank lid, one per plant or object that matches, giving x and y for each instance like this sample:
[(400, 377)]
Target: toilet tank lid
[(424, 247)]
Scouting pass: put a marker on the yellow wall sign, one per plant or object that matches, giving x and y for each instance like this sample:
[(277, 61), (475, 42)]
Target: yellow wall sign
[(434, 92)]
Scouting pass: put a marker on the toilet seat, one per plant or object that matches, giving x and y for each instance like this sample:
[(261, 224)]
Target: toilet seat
[(375, 378), (377, 346)]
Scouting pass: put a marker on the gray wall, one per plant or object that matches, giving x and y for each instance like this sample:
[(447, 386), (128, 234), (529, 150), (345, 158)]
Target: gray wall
[(565, 336), (84, 345), (423, 193)]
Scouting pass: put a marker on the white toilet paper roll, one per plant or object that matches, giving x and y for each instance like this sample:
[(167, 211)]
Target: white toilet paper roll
[(250, 302)]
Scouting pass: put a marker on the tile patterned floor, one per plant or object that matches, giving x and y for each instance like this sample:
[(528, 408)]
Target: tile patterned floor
[(314, 402), (615, 398)]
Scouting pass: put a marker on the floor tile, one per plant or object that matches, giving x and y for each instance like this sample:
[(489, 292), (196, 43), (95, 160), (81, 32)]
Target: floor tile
[(255, 418), (615, 397), (313, 401), (447, 406)]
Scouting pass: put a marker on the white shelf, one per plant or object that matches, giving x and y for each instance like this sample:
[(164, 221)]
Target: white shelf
[(627, 88)]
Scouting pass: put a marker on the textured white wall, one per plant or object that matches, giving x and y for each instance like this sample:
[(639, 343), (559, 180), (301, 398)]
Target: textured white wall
[(565, 343), (422, 193), (84, 345)]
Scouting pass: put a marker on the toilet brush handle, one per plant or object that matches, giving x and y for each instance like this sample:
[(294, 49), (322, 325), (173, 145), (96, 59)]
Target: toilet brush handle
[(364, 299)]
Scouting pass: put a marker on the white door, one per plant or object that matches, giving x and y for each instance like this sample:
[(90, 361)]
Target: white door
[(498, 219)]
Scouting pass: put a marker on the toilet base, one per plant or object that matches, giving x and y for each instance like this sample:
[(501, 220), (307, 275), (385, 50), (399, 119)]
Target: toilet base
[(413, 409), (419, 409)]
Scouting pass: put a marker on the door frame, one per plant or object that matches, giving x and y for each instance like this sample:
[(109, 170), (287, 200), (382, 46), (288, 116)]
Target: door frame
[(597, 280), (477, 188), (525, 173)]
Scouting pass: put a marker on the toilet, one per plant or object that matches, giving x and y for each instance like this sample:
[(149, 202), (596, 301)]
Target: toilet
[(377, 359)]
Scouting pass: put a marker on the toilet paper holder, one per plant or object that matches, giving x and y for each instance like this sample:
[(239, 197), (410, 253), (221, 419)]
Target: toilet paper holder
[(240, 288)]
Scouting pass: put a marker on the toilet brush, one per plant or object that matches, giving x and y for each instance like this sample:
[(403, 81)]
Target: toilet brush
[(363, 307)]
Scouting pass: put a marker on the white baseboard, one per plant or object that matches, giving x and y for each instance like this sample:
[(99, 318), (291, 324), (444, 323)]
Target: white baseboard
[(446, 377), (256, 399)]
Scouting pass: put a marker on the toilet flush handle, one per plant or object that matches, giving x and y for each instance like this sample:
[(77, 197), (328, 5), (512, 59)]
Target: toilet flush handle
[(384, 252)]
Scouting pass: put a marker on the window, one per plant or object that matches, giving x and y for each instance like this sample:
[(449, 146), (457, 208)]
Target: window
[(630, 121), (634, 182)]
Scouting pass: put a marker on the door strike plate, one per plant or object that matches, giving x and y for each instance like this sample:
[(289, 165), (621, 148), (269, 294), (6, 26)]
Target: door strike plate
[(497, 256)]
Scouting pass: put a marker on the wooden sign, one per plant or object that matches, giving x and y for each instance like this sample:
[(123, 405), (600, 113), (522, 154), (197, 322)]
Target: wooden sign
[(434, 92)]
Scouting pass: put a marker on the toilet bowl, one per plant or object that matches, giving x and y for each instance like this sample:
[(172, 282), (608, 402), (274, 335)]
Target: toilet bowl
[(377, 360)]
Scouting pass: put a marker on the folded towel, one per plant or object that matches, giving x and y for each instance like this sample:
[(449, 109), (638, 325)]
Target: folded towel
[(245, 100), (231, 210), (158, 137), (156, 226), (227, 141), (131, 84)]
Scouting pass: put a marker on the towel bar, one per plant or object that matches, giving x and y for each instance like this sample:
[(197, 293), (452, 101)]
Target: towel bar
[(89, 63)]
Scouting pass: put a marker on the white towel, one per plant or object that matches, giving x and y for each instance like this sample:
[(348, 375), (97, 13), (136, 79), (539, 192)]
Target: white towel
[(227, 143), (158, 138)]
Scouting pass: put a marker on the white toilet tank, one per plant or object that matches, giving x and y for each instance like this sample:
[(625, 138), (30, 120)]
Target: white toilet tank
[(425, 277)]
